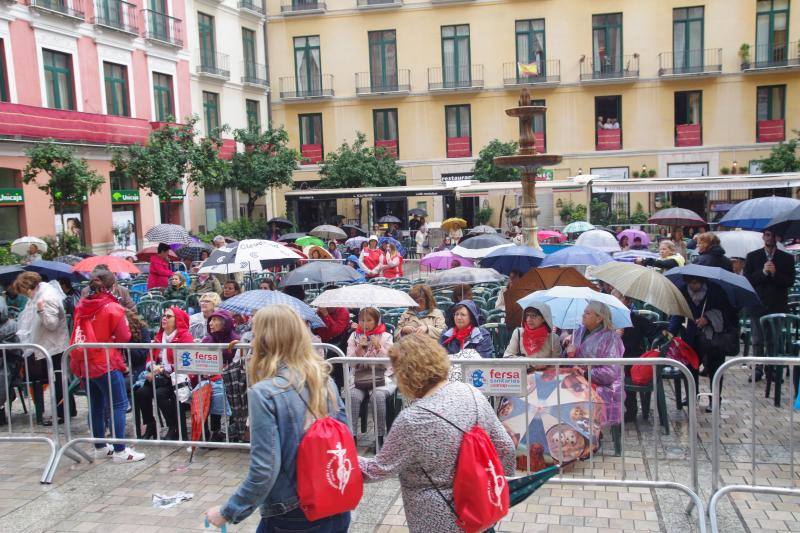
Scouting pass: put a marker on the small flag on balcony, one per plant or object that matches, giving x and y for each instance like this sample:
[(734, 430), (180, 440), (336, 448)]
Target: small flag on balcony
[(528, 69)]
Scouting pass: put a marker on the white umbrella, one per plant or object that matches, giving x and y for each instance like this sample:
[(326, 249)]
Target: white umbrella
[(123, 253), (599, 240), (21, 245), (567, 305), (479, 253), (644, 284), (470, 275), (741, 242), (364, 295), (328, 233), (253, 251)]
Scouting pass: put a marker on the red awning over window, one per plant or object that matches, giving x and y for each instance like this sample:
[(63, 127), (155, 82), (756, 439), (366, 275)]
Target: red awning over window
[(459, 147), (312, 153), (771, 130), (609, 139), (688, 135)]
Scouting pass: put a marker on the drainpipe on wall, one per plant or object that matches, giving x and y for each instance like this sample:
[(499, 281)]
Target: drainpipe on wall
[(266, 65)]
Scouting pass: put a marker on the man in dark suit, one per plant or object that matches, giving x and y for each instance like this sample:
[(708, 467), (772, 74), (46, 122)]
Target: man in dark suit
[(771, 272)]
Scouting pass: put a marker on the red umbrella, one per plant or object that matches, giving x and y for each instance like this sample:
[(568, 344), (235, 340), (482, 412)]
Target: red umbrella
[(544, 235), (201, 404), (114, 264), (146, 253)]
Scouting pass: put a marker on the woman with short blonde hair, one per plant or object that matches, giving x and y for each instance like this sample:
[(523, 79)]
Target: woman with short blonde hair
[(290, 387), (424, 441)]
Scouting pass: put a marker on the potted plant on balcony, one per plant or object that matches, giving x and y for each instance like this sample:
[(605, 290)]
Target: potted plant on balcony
[(724, 171), (744, 55), (651, 173)]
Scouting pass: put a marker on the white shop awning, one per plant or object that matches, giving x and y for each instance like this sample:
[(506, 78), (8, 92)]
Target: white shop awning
[(719, 183)]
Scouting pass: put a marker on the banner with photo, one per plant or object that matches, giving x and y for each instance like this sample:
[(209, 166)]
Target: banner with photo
[(74, 223), (124, 229)]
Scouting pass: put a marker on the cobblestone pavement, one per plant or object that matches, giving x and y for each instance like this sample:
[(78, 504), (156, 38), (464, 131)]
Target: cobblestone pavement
[(114, 498)]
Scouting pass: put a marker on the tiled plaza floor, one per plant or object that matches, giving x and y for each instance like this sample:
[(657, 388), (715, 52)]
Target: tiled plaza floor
[(113, 498)]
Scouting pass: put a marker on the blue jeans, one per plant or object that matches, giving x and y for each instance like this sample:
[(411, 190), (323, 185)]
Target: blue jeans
[(101, 397), (297, 521)]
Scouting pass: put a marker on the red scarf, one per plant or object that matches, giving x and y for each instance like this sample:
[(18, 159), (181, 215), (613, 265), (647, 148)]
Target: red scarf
[(379, 329), (461, 334), (533, 338)]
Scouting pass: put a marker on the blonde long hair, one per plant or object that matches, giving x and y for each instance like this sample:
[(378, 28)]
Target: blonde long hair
[(280, 337)]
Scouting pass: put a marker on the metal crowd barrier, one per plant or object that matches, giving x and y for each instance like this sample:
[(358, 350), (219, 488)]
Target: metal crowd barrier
[(21, 358), (468, 367), (202, 361), (753, 487)]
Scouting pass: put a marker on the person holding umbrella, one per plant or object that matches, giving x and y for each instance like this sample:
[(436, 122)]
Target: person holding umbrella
[(771, 272), (372, 259), (158, 277), (274, 232), (424, 319), (535, 338), (596, 337)]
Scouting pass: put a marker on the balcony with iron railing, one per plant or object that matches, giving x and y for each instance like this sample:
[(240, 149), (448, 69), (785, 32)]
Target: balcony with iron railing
[(162, 28), (250, 6), (610, 69), (116, 15), (302, 7), (66, 8), (292, 88), (536, 73), (456, 77), (378, 83), (768, 57), (254, 74), (690, 63), (213, 64), (377, 4)]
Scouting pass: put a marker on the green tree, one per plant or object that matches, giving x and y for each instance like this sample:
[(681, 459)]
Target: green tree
[(358, 165), (170, 155), (483, 216), (782, 158), (267, 162), (485, 169), (69, 180), (572, 213), (638, 216)]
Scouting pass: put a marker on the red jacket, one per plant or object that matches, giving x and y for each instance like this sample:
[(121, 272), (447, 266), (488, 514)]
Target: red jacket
[(395, 271), (371, 259), (99, 318), (182, 336), (337, 321), (159, 272)]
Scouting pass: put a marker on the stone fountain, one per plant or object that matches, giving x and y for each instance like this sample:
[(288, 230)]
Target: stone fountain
[(528, 161)]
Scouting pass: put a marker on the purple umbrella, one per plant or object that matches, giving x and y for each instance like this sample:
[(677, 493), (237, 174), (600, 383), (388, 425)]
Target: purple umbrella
[(631, 234), (444, 260)]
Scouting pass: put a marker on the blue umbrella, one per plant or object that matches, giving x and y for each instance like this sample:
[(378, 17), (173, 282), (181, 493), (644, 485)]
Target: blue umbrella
[(54, 270), (786, 224), (737, 289), (249, 302), (9, 273), (756, 214), (576, 256), (567, 305), (400, 248), (519, 258)]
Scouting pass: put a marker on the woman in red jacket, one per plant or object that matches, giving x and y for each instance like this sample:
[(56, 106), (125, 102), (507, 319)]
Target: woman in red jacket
[(371, 259), (159, 268), (157, 380), (394, 263)]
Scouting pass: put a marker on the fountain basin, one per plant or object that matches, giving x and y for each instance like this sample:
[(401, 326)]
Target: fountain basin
[(526, 161)]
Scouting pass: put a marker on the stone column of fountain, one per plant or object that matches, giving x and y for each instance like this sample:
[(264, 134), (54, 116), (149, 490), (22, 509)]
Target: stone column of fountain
[(528, 161)]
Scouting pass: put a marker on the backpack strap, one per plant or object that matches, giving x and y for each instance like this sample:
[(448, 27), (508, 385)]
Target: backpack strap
[(439, 492)]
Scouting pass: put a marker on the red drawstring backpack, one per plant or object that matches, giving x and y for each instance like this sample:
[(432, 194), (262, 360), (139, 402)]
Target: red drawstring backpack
[(480, 491), (329, 480)]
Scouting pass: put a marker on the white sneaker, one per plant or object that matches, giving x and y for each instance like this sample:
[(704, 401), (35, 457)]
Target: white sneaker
[(104, 453), (128, 455)]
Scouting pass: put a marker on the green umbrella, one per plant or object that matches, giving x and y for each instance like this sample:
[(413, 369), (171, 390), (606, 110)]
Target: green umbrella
[(577, 227), (520, 488), (309, 240)]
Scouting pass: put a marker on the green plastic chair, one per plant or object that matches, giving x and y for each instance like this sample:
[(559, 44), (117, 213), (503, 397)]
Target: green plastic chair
[(166, 304), (652, 316), (150, 311), (781, 339)]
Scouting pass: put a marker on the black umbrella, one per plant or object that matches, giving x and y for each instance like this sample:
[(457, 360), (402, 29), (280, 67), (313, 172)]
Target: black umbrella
[(291, 237), (8, 273), (418, 211), (389, 219), (281, 222), (348, 227), (193, 251), (321, 272), (520, 488), (786, 224)]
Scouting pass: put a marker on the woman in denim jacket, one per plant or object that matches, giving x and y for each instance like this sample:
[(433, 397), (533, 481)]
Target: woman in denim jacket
[(283, 367)]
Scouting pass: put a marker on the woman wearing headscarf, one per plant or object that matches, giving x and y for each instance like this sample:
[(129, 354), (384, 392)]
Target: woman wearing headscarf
[(157, 379), (425, 318), (466, 332), (220, 331), (535, 338), (596, 338), (371, 259), (370, 339)]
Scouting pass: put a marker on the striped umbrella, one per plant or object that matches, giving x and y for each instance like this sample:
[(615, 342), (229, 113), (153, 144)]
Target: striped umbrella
[(193, 251), (168, 233), (249, 302)]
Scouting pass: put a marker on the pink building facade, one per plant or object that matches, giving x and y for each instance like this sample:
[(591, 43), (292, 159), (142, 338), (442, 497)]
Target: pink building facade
[(89, 73)]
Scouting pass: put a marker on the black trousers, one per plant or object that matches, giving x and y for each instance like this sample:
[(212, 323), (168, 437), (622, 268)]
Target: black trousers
[(165, 400)]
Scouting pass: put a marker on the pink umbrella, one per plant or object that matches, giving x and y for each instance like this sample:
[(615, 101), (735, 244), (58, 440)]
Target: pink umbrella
[(444, 260), (547, 234), (632, 234)]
